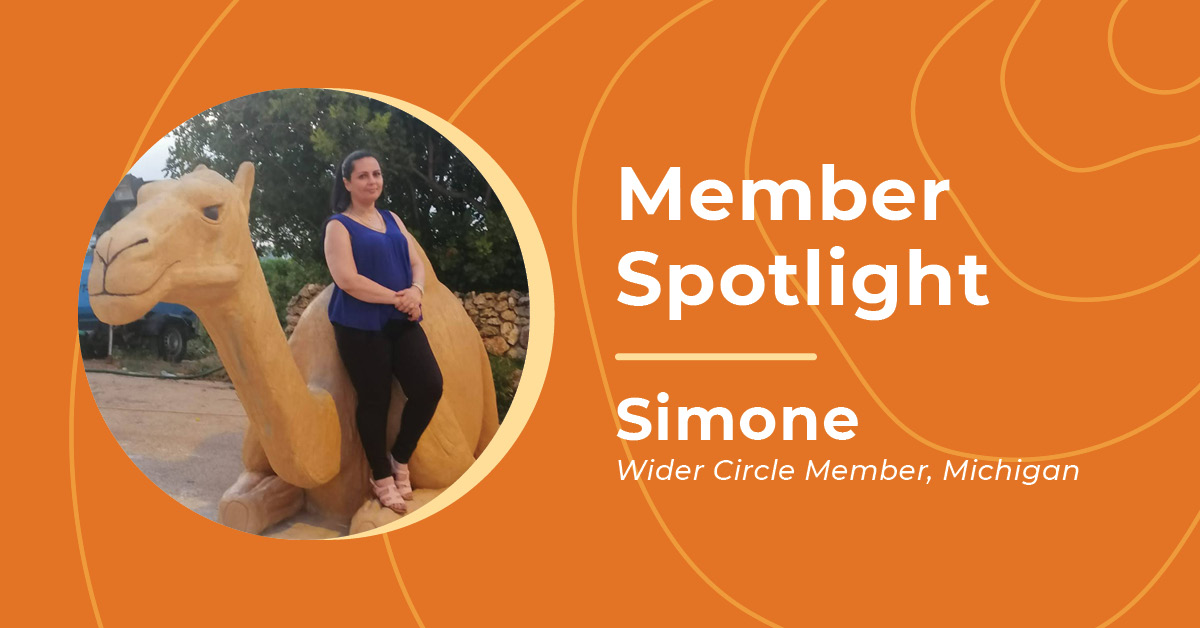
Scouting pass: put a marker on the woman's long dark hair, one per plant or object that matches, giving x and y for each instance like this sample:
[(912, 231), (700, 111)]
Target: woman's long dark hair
[(340, 199)]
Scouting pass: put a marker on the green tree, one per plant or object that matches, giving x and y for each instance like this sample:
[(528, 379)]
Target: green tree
[(295, 138)]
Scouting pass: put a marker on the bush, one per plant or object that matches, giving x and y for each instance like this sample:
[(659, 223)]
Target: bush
[(502, 375), (286, 276)]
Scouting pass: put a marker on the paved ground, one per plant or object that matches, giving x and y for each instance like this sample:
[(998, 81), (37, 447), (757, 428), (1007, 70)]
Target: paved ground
[(186, 436)]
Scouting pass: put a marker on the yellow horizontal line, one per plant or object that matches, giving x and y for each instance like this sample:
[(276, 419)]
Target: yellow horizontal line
[(728, 357)]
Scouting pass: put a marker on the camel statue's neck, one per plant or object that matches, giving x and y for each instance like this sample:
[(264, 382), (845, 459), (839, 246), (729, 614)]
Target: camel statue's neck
[(254, 350), (293, 424)]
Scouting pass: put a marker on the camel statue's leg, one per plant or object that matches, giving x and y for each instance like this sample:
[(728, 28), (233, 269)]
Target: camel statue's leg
[(257, 501), (372, 515), (259, 498), (254, 457)]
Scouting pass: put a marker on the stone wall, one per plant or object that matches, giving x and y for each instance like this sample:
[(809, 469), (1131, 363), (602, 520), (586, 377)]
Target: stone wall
[(502, 318), (296, 306)]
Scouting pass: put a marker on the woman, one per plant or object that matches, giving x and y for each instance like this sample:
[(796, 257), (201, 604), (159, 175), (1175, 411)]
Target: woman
[(379, 282)]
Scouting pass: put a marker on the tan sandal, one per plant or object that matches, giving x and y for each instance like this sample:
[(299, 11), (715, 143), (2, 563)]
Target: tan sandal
[(389, 495), (400, 475)]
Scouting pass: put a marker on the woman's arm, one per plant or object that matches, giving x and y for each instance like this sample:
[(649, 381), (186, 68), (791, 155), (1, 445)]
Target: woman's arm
[(409, 299), (418, 267), (340, 257)]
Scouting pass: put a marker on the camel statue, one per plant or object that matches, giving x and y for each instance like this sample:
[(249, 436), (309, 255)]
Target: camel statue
[(188, 241)]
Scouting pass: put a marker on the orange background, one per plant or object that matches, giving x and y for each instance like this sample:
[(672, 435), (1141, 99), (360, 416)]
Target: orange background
[(551, 536)]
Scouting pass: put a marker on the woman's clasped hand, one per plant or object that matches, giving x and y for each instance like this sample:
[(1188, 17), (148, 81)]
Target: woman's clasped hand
[(408, 301)]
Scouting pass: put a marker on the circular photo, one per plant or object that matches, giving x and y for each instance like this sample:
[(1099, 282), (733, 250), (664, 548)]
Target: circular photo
[(304, 313)]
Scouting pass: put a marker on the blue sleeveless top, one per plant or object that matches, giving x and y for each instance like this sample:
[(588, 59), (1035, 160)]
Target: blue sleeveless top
[(380, 257)]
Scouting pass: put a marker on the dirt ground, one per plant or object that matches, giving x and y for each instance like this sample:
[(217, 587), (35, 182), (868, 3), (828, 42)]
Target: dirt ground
[(186, 436)]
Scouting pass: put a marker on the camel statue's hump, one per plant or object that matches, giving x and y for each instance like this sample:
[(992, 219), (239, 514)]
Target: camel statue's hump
[(313, 345)]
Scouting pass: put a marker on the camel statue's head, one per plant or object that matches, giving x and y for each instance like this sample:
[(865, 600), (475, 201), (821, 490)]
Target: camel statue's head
[(187, 242)]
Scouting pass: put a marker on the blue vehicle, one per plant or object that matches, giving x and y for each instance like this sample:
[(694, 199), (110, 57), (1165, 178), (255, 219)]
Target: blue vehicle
[(168, 326)]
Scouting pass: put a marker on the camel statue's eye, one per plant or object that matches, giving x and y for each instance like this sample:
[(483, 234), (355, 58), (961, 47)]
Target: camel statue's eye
[(211, 212)]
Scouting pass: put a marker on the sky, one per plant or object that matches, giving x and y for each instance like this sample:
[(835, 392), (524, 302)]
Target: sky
[(150, 166)]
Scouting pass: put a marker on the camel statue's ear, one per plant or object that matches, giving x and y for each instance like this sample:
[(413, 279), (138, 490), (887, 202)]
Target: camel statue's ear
[(245, 181)]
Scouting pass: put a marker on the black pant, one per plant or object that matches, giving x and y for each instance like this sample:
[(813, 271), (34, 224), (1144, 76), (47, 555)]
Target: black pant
[(372, 358)]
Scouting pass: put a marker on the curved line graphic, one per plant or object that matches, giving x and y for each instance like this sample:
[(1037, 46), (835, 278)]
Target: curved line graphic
[(403, 589), (466, 101), (846, 355), (75, 359), (87, 574), (971, 223), (762, 95), (1037, 147), (1112, 54), (592, 325), (512, 55), (854, 367), (171, 85), (1154, 580)]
